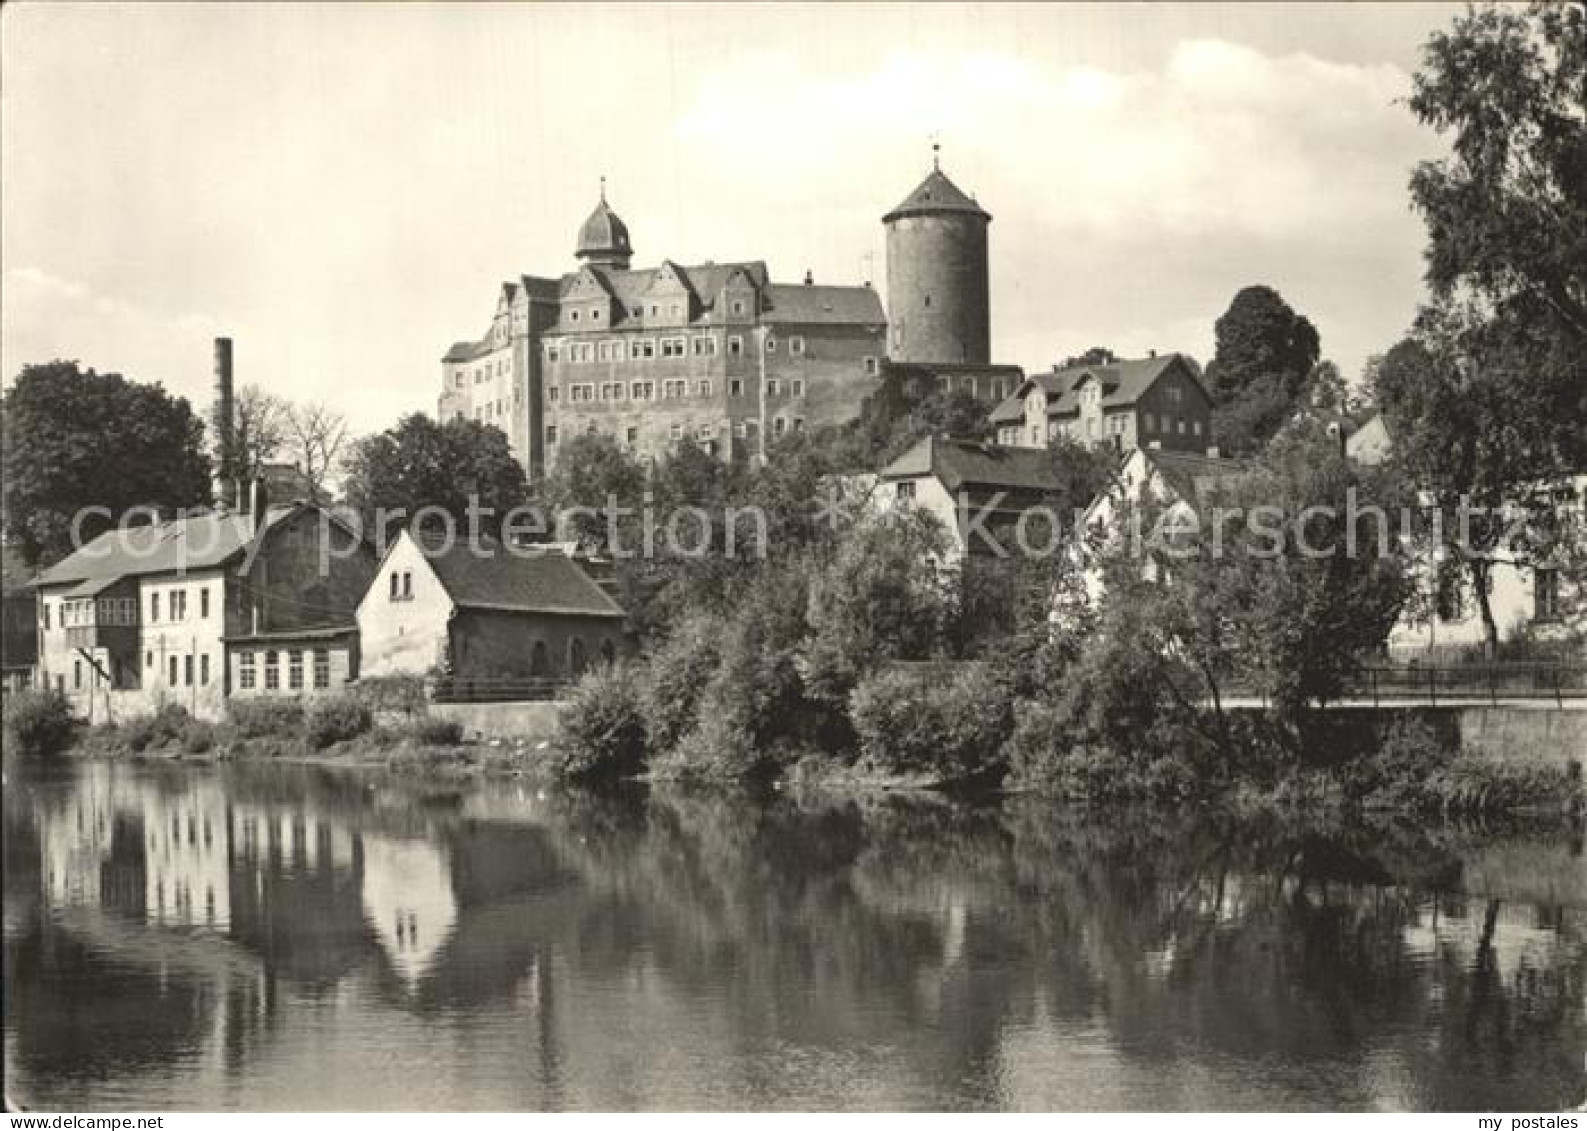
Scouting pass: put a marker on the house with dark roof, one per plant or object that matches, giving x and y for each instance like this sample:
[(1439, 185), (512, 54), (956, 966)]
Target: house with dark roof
[(1126, 404), (146, 614), (19, 622), (483, 611), (979, 491)]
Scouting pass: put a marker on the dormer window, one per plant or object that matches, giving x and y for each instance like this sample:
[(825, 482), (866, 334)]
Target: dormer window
[(574, 315), (738, 306), (595, 315)]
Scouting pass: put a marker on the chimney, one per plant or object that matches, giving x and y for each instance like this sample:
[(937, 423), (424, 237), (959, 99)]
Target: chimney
[(810, 277), (224, 426)]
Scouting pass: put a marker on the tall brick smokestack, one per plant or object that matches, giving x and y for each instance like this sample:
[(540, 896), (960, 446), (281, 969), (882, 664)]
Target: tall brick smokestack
[(225, 425)]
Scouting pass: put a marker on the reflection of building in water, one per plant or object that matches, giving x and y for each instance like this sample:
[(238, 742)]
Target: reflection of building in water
[(74, 843), (408, 899), (185, 849)]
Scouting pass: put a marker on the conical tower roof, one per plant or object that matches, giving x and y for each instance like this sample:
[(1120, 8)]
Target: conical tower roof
[(936, 194)]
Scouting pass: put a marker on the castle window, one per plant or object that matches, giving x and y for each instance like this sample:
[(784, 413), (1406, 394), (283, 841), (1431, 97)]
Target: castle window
[(738, 306), (705, 346), (673, 347), (779, 426), (704, 432), (928, 302), (595, 315), (872, 367), (798, 387), (672, 390), (773, 387), (553, 354), (798, 424), (735, 388), (631, 434), (573, 315), (203, 670), (643, 390), (705, 388), (551, 433), (637, 311), (796, 345), (655, 309), (771, 345), (677, 310), (735, 346), (554, 394), (906, 489), (677, 431)]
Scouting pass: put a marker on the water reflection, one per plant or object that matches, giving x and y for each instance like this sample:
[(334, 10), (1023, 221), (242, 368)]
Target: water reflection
[(261, 937)]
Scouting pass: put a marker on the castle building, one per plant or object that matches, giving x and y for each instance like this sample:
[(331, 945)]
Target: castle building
[(714, 353)]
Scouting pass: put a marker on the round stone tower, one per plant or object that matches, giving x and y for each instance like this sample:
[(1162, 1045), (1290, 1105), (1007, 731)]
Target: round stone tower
[(938, 306)]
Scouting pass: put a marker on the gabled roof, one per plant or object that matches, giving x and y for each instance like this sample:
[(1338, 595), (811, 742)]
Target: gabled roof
[(488, 575), (936, 194), (965, 463), (1124, 381), (198, 542), (1193, 477), (812, 305)]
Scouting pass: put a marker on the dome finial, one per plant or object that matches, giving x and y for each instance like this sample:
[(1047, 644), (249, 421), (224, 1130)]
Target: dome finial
[(603, 188), (936, 156)]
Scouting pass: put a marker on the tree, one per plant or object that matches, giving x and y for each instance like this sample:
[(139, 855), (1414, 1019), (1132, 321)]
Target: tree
[(259, 430), (75, 438), (593, 473), (314, 435), (422, 464), (1265, 358), (1487, 406)]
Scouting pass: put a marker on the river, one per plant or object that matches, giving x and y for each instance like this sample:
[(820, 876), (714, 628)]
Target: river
[(259, 937)]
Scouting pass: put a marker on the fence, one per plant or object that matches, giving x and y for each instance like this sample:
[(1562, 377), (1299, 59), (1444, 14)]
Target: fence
[(506, 689), (1433, 683)]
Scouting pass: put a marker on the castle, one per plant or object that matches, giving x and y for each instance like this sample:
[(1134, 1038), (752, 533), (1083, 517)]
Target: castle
[(717, 353)]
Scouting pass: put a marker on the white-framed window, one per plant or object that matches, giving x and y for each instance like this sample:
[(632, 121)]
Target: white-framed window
[(773, 386), (1195, 427), (796, 345), (674, 347), (203, 602), (674, 388), (642, 390), (573, 315), (1176, 395), (735, 388), (595, 314), (779, 426), (154, 608), (677, 431), (581, 392), (295, 670), (738, 306), (705, 345), (798, 424), (612, 391), (906, 489), (247, 672), (631, 435), (553, 352), (771, 344), (735, 346), (797, 387), (704, 387), (642, 349), (704, 432), (551, 433), (272, 672), (322, 668)]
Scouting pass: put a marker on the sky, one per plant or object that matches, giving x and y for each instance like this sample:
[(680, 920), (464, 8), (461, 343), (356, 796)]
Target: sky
[(342, 188)]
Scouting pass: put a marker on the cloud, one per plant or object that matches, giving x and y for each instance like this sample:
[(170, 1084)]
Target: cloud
[(1223, 165)]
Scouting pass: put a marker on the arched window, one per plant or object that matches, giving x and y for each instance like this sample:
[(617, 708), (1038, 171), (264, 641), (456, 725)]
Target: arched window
[(608, 652), (539, 661), (576, 659)]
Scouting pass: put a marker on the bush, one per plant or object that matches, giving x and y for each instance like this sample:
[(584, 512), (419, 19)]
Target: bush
[(265, 717), (399, 694), (198, 737), (334, 719), (953, 729), (1416, 770), (676, 676), (603, 725), (430, 731), (38, 724), (166, 726)]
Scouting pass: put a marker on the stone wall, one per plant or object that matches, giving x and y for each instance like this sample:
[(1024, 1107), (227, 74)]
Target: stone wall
[(530, 721)]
